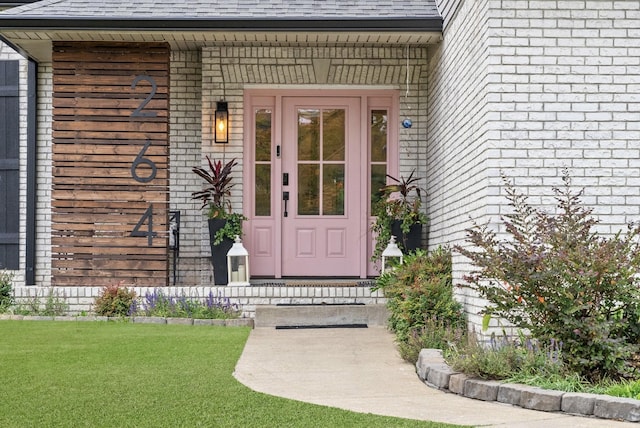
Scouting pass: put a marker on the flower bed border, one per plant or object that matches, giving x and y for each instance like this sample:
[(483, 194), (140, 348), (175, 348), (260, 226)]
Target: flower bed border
[(230, 322), (433, 371)]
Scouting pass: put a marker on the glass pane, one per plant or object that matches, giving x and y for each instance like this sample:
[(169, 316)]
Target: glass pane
[(263, 135), (378, 180), (379, 131), (333, 190), (308, 134), (308, 189), (333, 135), (263, 190)]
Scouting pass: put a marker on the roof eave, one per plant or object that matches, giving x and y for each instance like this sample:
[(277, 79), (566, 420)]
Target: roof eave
[(16, 22)]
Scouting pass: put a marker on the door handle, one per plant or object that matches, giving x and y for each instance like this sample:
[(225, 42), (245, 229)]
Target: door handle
[(285, 198)]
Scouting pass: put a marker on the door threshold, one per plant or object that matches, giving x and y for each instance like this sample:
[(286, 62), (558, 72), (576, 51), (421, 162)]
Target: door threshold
[(316, 282)]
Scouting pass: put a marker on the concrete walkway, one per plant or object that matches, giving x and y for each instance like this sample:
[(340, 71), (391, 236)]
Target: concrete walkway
[(360, 370)]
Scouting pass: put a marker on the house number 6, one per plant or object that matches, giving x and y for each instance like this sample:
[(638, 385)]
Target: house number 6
[(142, 160)]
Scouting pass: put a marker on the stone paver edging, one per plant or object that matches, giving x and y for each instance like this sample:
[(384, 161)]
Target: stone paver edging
[(432, 370), (233, 322)]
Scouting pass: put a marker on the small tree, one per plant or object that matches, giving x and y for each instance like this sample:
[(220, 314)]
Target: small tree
[(559, 279)]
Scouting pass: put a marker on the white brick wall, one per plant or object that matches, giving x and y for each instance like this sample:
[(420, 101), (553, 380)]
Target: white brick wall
[(44, 168), (568, 73), (81, 299), (546, 85), (185, 153), (458, 132)]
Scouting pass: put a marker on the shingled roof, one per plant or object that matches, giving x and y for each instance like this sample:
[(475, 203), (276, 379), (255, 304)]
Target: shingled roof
[(400, 14), (189, 24)]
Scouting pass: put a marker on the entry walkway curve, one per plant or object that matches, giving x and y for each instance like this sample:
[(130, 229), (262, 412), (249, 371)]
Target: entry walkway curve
[(361, 370)]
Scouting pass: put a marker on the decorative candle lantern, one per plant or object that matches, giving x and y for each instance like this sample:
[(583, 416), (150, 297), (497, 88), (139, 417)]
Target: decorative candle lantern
[(391, 255), (238, 264), (221, 122)]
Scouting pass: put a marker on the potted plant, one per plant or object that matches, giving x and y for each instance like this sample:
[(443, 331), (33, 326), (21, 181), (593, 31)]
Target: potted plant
[(224, 224), (398, 213)]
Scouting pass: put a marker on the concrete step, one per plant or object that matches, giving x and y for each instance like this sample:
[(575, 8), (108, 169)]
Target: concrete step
[(321, 315)]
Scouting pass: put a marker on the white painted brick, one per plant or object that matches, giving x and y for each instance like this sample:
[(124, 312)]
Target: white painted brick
[(589, 102)]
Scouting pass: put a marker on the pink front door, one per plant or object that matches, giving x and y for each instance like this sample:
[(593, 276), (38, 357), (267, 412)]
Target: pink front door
[(313, 161), (321, 169)]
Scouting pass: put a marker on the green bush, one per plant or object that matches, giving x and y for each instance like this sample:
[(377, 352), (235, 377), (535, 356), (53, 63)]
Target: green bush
[(420, 296), (54, 304), (435, 334), (114, 301), (557, 278), (508, 358), (6, 290)]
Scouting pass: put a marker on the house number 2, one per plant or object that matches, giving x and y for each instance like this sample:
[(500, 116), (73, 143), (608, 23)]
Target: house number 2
[(147, 217)]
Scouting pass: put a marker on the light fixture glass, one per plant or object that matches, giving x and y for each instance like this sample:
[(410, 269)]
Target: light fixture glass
[(391, 256), (221, 122), (238, 264)]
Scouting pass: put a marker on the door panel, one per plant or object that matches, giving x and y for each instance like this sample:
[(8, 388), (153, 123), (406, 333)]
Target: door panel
[(320, 151)]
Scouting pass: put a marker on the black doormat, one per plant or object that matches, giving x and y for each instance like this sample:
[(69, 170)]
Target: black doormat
[(299, 327)]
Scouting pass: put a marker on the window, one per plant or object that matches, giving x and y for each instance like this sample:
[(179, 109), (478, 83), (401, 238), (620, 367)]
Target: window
[(379, 142)]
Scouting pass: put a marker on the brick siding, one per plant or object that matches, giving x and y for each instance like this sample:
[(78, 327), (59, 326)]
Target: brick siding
[(546, 85)]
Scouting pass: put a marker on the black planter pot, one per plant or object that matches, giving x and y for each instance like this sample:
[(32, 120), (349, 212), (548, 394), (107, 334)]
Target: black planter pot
[(412, 240), (219, 252)]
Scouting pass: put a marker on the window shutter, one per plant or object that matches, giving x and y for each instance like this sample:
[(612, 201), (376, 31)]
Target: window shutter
[(9, 165)]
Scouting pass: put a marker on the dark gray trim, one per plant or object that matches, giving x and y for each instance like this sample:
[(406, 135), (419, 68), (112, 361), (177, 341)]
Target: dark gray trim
[(14, 3), (9, 163), (16, 48), (207, 24), (32, 132), (9, 238)]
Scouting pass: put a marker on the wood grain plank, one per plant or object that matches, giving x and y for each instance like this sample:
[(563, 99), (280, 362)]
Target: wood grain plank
[(96, 202)]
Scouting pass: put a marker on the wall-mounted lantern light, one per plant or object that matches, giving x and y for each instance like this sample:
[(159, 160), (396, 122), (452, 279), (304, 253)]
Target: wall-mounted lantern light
[(391, 256), (238, 264), (221, 122)]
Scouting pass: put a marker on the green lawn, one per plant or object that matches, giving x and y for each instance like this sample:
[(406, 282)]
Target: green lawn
[(93, 374)]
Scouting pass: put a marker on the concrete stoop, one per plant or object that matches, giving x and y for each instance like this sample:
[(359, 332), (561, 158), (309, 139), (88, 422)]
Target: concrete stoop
[(432, 370), (320, 315)]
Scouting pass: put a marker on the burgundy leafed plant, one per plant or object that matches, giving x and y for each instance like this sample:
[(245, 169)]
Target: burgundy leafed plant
[(218, 188)]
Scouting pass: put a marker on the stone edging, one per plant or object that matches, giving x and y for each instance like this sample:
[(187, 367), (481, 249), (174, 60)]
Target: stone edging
[(433, 371), (235, 322)]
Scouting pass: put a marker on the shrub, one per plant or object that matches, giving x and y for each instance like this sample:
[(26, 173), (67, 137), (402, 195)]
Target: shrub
[(435, 334), (114, 301), (507, 358), (54, 305), (6, 290), (557, 278), (420, 295), (156, 303)]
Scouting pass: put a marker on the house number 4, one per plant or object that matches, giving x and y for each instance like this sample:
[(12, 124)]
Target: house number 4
[(147, 217)]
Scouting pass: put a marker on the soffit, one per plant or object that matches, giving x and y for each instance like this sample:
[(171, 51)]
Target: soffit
[(38, 43)]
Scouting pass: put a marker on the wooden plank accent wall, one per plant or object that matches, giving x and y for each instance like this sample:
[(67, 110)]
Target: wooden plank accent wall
[(110, 164)]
